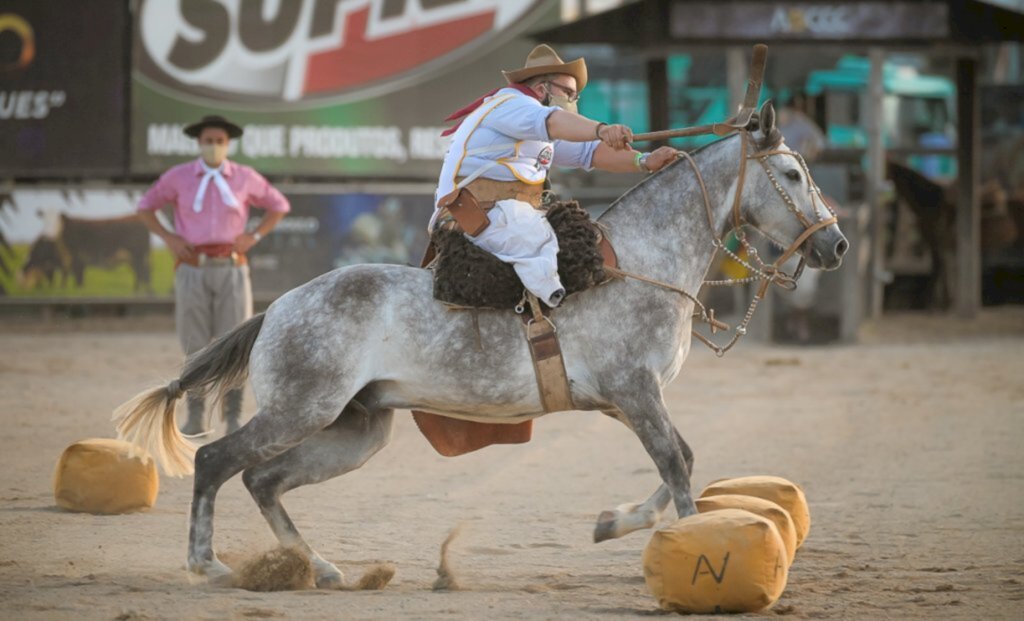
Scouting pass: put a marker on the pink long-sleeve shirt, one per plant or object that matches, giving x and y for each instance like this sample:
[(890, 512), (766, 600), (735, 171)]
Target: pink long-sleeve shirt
[(216, 223)]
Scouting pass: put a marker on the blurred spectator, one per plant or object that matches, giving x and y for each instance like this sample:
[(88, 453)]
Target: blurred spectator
[(802, 134), (211, 197)]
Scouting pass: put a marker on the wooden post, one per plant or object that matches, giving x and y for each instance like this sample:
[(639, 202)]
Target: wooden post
[(657, 95), (855, 271), (967, 296), (873, 182)]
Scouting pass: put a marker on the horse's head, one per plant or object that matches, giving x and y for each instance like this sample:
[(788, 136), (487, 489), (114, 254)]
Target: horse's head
[(783, 202)]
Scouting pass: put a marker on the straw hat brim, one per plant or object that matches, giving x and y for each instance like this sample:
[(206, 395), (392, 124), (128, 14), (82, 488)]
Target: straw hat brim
[(576, 68)]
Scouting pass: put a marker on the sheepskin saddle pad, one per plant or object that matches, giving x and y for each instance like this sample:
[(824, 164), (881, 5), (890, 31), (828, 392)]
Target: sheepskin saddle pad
[(465, 275)]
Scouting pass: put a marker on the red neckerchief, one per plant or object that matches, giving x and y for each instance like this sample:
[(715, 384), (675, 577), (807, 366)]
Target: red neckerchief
[(460, 115)]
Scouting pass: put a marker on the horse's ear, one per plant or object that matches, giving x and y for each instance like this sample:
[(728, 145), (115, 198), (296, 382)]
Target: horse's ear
[(770, 135), (766, 117)]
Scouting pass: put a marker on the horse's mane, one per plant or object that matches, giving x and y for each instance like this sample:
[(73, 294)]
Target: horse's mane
[(770, 141), (695, 153)]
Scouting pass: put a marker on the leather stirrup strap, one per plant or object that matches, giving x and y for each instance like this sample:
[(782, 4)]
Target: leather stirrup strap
[(552, 380)]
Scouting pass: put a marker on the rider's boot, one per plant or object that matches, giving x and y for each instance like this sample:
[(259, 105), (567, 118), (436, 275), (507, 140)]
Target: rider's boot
[(556, 298)]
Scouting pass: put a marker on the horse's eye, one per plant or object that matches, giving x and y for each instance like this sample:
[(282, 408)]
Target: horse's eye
[(793, 174)]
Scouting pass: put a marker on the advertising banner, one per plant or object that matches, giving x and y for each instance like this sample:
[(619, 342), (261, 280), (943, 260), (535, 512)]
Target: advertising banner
[(63, 68), (323, 88), (89, 243), (802, 20)]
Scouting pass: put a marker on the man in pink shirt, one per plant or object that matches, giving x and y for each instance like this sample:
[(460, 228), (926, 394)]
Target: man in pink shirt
[(211, 197)]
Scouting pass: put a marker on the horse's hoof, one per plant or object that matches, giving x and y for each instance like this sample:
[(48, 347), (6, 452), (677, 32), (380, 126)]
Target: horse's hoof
[(624, 520), (607, 527), (216, 573), (327, 575)]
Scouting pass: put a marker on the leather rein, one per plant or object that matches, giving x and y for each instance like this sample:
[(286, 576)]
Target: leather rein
[(766, 274)]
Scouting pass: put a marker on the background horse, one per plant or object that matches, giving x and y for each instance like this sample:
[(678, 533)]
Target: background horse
[(330, 361)]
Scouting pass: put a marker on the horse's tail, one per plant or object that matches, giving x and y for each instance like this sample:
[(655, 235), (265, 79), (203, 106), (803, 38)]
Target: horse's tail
[(147, 420)]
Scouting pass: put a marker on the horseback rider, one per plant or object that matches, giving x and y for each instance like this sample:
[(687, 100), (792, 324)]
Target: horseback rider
[(503, 145)]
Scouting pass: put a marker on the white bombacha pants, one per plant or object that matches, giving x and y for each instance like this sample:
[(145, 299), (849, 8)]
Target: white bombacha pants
[(521, 235)]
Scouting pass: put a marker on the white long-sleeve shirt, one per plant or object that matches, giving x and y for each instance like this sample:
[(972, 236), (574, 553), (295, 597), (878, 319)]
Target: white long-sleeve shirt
[(517, 123)]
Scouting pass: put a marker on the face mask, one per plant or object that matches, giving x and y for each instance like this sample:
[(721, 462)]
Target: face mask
[(559, 101), (213, 154)]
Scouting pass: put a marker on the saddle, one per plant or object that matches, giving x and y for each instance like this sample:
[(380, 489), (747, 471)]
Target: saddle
[(467, 277)]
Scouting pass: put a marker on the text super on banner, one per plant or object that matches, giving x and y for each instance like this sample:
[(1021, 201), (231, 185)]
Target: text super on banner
[(63, 102), (322, 87)]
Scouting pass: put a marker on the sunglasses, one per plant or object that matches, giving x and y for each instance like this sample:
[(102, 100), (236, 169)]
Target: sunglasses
[(570, 93)]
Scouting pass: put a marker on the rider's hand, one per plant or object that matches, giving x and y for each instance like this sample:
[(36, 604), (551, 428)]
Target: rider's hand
[(660, 158), (617, 137), (181, 249)]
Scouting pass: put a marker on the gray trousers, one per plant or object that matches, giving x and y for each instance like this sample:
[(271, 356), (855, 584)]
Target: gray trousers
[(209, 302)]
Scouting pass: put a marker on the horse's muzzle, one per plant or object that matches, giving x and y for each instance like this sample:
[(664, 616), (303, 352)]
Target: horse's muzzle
[(827, 249)]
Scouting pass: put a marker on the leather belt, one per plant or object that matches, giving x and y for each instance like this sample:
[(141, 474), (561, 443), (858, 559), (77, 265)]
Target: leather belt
[(215, 255), (491, 190)]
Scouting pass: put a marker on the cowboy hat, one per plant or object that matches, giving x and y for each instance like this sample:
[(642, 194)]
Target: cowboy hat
[(544, 60), (213, 120)]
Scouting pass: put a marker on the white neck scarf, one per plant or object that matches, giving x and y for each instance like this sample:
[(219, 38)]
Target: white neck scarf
[(226, 194)]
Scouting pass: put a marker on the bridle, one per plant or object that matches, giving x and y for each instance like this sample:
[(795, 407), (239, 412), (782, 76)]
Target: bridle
[(767, 274), (772, 273)]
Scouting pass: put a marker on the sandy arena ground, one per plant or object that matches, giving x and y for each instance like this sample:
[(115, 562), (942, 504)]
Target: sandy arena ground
[(909, 446)]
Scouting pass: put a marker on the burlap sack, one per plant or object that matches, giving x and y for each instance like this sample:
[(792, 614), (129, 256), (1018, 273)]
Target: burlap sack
[(786, 494), (723, 561), (758, 506), (98, 476)]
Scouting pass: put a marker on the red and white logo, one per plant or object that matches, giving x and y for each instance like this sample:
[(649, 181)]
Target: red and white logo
[(544, 157), (294, 50)]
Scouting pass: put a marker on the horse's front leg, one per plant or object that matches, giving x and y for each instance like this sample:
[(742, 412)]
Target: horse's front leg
[(643, 409), (634, 516)]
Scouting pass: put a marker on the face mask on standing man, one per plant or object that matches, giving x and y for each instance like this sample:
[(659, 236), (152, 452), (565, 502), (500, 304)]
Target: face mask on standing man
[(213, 154)]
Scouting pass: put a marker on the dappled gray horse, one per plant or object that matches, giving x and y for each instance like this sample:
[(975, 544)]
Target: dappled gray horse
[(330, 361)]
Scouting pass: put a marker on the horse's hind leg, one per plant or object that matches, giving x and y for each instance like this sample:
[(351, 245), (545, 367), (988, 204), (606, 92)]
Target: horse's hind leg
[(343, 446), (269, 433)]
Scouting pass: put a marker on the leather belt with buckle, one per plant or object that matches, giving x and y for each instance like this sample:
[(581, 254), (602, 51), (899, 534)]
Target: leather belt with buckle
[(215, 257)]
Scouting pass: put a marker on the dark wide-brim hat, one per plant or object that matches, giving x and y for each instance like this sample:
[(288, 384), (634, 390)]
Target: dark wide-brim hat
[(543, 60), (213, 120)]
